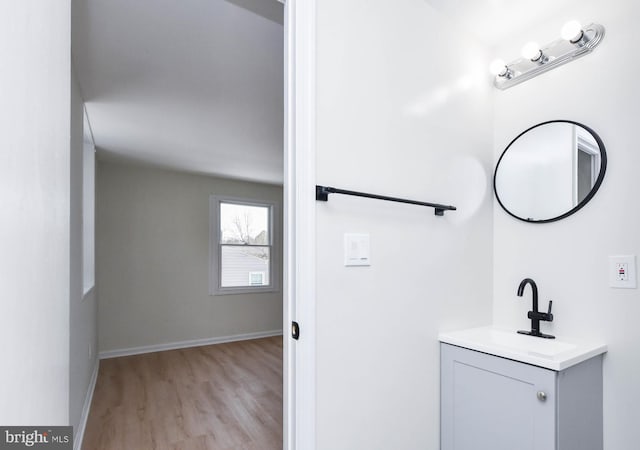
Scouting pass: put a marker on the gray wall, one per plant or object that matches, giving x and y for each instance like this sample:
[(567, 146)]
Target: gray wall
[(82, 309), (34, 212), (152, 244)]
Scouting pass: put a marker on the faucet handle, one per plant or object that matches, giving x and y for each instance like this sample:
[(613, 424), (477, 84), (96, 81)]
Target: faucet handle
[(548, 316)]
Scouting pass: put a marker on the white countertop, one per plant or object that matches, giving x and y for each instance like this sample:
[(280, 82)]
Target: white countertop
[(555, 354)]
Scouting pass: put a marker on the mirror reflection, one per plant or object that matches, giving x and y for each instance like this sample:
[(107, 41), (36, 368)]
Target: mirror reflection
[(550, 171)]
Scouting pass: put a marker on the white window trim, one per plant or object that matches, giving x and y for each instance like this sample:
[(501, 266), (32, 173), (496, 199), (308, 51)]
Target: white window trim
[(214, 245)]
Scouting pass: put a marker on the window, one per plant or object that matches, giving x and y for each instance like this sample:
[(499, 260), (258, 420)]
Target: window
[(88, 209), (242, 246)]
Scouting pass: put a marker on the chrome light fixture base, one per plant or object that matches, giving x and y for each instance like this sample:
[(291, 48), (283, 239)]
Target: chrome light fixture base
[(556, 53)]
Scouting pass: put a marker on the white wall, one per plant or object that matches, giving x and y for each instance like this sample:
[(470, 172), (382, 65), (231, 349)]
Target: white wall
[(152, 246), (568, 259), (400, 113), (82, 308), (34, 212)]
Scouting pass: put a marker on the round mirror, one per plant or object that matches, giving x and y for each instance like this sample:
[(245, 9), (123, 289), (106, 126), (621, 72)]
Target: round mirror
[(550, 171)]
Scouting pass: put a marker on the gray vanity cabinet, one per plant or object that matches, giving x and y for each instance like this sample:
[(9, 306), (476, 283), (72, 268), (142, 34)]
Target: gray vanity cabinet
[(493, 403)]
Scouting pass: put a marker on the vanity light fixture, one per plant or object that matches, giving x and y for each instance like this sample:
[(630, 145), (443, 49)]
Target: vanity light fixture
[(532, 52), (499, 68), (572, 32), (576, 41)]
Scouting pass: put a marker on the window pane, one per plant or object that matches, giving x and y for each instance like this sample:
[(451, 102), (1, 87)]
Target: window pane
[(88, 215), (243, 224), (244, 266)]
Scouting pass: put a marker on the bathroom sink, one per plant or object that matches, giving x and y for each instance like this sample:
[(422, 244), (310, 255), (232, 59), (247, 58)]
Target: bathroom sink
[(520, 342), (555, 354)]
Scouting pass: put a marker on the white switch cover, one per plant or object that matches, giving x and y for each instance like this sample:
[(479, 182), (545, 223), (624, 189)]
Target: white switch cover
[(622, 271), (356, 249)]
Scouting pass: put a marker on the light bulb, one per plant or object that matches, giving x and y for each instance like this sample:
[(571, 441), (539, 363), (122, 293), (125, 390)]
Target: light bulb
[(531, 50), (571, 31), (497, 67)]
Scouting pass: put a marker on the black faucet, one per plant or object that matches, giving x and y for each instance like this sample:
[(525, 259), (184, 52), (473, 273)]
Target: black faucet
[(535, 315)]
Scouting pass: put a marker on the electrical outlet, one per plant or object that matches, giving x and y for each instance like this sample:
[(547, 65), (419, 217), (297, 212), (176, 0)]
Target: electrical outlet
[(622, 271)]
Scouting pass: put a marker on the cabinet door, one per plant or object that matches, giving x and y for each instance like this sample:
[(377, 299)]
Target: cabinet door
[(493, 403)]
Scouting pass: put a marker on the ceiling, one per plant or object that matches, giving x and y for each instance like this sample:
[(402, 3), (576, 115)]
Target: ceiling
[(197, 85), (194, 85)]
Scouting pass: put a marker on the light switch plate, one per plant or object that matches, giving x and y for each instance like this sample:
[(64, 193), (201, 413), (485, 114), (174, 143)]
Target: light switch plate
[(622, 271), (356, 249)]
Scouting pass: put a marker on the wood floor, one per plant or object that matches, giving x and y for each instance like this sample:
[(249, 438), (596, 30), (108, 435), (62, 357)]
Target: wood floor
[(216, 397)]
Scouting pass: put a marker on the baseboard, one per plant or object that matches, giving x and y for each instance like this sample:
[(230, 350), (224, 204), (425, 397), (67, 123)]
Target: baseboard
[(77, 439), (185, 344)]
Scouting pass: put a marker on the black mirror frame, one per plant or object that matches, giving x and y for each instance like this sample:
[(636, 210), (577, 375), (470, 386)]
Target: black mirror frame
[(594, 189)]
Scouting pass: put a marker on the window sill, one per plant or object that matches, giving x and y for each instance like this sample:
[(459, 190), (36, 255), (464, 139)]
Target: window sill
[(87, 291), (244, 290)]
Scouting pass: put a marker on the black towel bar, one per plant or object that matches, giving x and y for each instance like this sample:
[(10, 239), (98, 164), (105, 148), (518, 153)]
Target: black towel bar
[(322, 194)]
